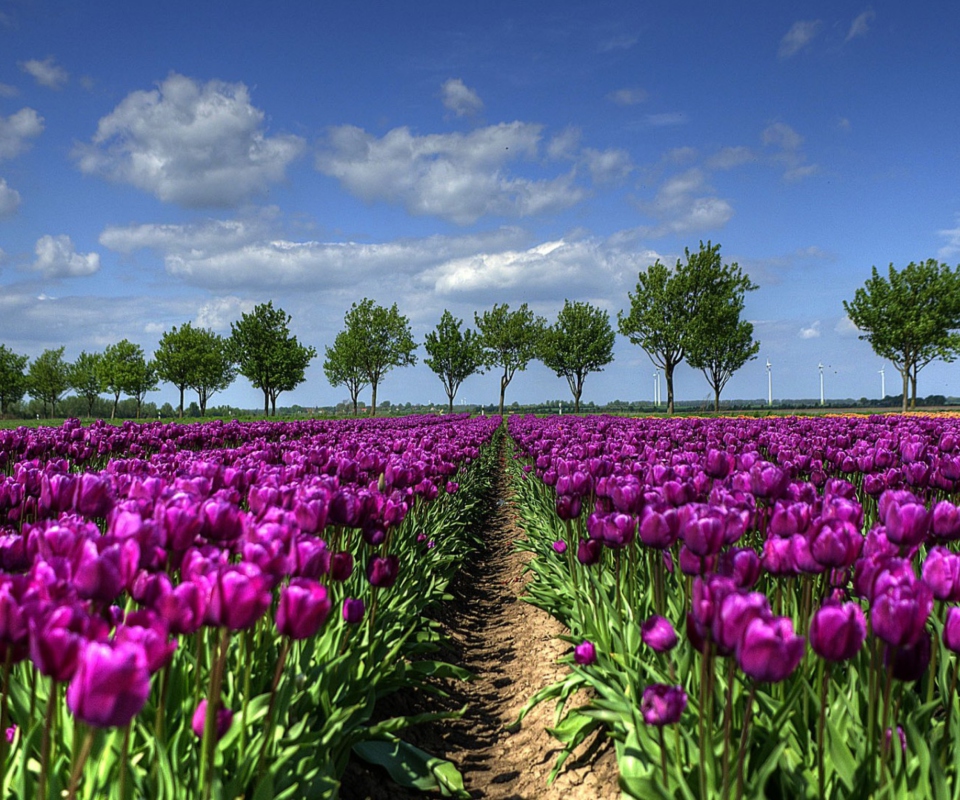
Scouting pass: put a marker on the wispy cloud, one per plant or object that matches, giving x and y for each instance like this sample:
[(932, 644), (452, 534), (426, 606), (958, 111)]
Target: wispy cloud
[(861, 24), (47, 72), (667, 118), (952, 247), (799, 36), (628, 97), (812, 331), (461, 100)]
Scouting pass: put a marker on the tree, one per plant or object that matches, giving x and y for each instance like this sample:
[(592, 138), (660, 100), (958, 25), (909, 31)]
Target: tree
[(13, 378), (509, 340), (122, 369), (143, 379), (671, 305), (454, 355), (580, 342), (380, 340), (48, 378), (910, 318), (215, 369), (176, 358), (342, 367), (85, 378), (195, 358), (267, 354), (719, 342)]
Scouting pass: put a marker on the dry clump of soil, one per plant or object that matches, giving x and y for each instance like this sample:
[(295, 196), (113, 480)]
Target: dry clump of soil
[(512, 648)]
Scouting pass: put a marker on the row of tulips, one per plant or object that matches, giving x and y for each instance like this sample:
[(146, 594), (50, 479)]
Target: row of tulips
[(219, 621), (763, 608)]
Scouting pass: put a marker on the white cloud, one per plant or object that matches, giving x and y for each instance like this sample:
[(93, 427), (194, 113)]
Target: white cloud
[(607, 166), (952, 247), (47, 72), (781, 135), (459, 177), (57, 258), (628, 97), (800, 172), (684, 204), (799, 36), (666, 119), (197, 145), (16, 131), (730, 157), (203, 237), (789, 143), (461, 100), (861, 24), (6, 90), (9, 200), (221, 311), (845, 327), (565, 144), (812, 331)]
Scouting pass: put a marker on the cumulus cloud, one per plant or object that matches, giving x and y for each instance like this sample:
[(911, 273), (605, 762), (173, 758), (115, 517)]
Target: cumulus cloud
[(191, 143), (607, 166), (684, 203), (459, 177), (47, 72), (17, 130), (952, 247), (9, 200), (861, 24), (57, 258), (730, 157), (628, 97), (221, 311), (461, 100), (201, 237), (845, 327), (812, 331), (799, 36)]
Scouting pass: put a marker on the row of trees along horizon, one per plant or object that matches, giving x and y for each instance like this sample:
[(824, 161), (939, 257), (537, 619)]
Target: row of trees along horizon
[(691, 312)]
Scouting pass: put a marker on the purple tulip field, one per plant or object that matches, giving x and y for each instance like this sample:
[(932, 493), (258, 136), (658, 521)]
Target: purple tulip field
[(758, 607), (212, 610)]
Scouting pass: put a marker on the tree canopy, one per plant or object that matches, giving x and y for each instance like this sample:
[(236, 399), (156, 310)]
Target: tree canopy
[(376, 340), (48, 378), (910, 318), (195, 358), (670, 311), (342, 367), (453, 354), (578, 343), (509, 340), (267, 354), (85, 378), (13, 378), (124, 370)]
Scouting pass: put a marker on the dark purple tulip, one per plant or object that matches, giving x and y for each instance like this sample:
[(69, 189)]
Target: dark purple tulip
[(55, 644), (628, 497), (802, 557), (94, 495), (382, 571), (718, 464), (909, 662), (148, 630), (734, 613), (223, 721), (341, 566), (768, 481), (708, 594), (662, 705), (769, 650), (742, 564), (589, 551), (900, 608), (568, 506), (220, 521), (941, 572), (907, 525), (111, 684), (239, 596), (658, 634), (311, 514), (703, 531), (560, 546), (102, 575), (778, 557), (837, 631), (788, 519), (946, 521), (352, 610), (659, 529), (585, 654), (184, 608), (303, 608), (835, 543), (311, 558), (951, 630)]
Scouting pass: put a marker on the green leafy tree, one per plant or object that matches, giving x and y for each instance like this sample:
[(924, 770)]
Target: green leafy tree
[(267, 354), (195, 358), (48, 379), (510, 340), (143, 379), (215, 368), (342, 366), (910, 318), (580, 342), (454, 355), (13, 378), (85, 378), (719, 342), (380, 340), (670, 306), (121, 371)]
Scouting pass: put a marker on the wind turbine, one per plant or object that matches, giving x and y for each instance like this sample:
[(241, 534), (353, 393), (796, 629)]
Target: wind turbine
[(820, 367), (883, 384), (769, 384)]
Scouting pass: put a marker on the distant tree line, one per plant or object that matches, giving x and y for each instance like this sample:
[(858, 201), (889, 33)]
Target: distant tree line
[(691, 312)]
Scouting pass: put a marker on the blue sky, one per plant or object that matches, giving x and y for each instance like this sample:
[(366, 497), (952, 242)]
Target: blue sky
[(174, 162)]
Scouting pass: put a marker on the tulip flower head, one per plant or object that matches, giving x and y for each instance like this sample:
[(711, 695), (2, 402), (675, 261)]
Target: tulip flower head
[(223, 722), (585, 654), (662, 704)]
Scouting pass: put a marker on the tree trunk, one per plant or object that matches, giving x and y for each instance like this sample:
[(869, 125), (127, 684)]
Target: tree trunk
[(266, 403), (906, 388), (116, 402), (450, 396), (373, 399), (503, 389), (716, 400), (668, 374), (273, 405), (201, 400), (913, 387), (181, 400)]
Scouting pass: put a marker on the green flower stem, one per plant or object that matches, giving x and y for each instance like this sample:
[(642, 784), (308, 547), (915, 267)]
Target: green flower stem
[(884, 748), (741, 758), (951, 700), (5, 710), (728, 727), (124, 757), (663, 760), (80, 762), (48, 723), (824, 684), (268, 725), (246, 658), (209, 741)]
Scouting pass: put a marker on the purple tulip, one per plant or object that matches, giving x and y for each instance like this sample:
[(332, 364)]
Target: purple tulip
[(659, 528), (239, 596), (951, 630), (741, 564), (353, 610), (910, 662), (941, 572), (585, 654), (907, 524), (303, 608), (102, 574), (658, 634), (769, 650), (589, 551), (224, 720), (946, 521), (560, 546), (900, 608), (184, 608), (94, 495), (703, 531), (734, 613), (835, 543), (56, 642), (382, 571), (778, 557), (837, 631), (661, 704), (111, 684), (568, 506)]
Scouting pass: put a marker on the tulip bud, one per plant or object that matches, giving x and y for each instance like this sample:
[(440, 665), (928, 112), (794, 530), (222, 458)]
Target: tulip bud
[(222, 724), (585, 654), (837, 631), (662, 705)]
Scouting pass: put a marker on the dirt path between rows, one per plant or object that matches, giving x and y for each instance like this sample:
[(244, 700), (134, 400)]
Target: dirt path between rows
[(512, 648)]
